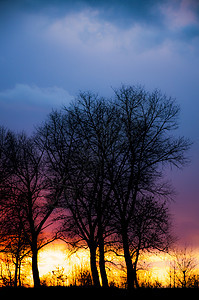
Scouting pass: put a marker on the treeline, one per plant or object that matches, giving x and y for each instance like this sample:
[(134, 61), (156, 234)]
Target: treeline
[(96, 167)]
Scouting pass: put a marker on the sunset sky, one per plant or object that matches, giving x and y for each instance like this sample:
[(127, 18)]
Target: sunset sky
[(50, 50)]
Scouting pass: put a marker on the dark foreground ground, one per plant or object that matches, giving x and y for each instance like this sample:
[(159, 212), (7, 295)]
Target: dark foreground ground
[(92, 293)]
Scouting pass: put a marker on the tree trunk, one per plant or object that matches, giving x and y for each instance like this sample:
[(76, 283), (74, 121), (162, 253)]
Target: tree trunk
[(19, 276), (94, 271), (131, 273), (35, 271), (16, 271), (17, 265), (136, 280), (136, 262), (102, 263)]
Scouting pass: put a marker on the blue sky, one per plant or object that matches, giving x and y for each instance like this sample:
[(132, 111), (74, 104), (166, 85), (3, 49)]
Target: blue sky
[(50, 50)]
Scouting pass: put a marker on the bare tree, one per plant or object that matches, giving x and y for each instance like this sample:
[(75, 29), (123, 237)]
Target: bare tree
[(182, 267), (13, 241), (106, 156), (145, 146), (27, 196), (150, 229), (78, 141), (95, 125)]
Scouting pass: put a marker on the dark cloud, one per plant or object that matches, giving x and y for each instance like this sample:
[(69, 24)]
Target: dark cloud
[(190, 32), (118, 11), (127, 12), (177, 20)]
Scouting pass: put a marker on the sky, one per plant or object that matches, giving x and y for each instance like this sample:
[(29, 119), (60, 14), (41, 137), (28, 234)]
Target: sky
[(50, 50)]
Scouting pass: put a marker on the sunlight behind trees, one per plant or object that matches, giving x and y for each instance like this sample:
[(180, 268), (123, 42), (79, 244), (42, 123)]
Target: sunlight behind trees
[(59, 267)]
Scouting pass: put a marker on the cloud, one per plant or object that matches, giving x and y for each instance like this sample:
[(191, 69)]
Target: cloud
[(28, 97), (181, 15), (121, 13), (102, 27), (181, 19), (124, 26), (24, 106), (83, 49), (86, 32), (114, 9)]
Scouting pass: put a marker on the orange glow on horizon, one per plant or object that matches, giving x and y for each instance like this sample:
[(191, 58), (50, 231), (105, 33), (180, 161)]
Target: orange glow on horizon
[(57, 255), (58, 266)]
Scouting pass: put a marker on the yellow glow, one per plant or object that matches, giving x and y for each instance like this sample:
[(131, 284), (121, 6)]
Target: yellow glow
[(50, 257), (56, 257)]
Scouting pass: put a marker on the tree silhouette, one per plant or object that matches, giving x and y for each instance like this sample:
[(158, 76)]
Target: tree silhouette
[(145, 146), (150, 229), (112, 154), (27, 197), (182, 266), (83, 136)]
